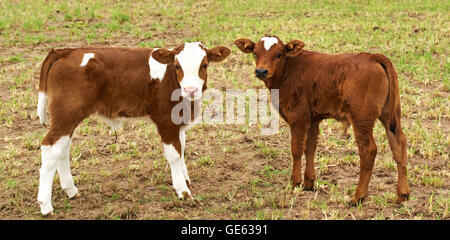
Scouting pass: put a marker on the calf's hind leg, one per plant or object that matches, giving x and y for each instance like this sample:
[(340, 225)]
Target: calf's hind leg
[(367, 152), (65, 175), (52, 155), (55, 155), (397, 143)]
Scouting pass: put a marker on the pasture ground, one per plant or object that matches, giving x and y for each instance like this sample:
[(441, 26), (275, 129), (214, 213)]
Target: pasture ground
[(236, 172)]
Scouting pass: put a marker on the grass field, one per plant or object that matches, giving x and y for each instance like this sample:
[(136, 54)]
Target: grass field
[(236, 173)]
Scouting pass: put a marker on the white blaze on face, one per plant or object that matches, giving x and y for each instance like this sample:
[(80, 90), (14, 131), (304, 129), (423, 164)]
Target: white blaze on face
[(269, 42), (157, 69), (86, 58), (190, 59)]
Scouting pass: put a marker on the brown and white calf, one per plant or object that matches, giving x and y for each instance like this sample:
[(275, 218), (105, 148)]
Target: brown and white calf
[(360, 87), (118, 83)]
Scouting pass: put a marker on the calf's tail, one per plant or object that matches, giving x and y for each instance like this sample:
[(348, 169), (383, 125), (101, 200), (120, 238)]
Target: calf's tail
[(51, 58), (393, 101)]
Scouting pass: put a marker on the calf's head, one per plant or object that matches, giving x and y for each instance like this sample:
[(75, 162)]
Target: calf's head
[(270, 54), (191, 61)]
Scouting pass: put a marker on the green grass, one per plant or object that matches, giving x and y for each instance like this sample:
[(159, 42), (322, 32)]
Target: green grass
[(234, 177)]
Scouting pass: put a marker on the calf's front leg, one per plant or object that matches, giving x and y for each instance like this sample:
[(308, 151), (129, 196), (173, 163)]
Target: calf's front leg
[(311, 144), (183, 146), (298, 139), (174, 153)]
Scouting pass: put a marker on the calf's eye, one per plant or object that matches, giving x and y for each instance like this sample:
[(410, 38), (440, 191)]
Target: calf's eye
[(279, 55), (205, 65)]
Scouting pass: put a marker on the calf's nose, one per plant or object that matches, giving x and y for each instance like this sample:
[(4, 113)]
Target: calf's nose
[(261, 73), (190, 90)]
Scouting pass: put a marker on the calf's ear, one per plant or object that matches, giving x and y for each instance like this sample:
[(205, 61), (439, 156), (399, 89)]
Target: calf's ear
[(245, 45), (218, 53), (294, 47), (163, 56)]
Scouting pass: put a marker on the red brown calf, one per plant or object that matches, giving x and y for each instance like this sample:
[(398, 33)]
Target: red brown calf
[(359, 87), (118, 83)]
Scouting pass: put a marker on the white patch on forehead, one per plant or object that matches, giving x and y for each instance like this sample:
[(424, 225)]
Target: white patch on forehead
[(86, 58), (157, 69), (269, 42), (190, 58)]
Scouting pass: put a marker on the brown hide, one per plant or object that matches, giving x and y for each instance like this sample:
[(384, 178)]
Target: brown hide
[(115, 83), (359, 88)]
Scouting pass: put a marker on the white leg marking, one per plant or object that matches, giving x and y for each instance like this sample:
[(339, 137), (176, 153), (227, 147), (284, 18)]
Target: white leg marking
[(268, 42), (65, 174), (176, 167), (183, 144), (157, 69), (41, 111), (86, 58), (51, 157)]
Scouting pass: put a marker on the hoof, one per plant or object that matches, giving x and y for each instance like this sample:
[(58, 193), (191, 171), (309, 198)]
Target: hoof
[(186, 195), (309, 186), (296, 187), (46, 209), (296, 184), (78, 195), (401, 198), (354, 202), (72, 192), (188, 183), (48, 214)]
